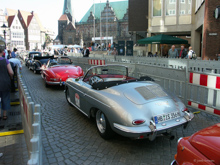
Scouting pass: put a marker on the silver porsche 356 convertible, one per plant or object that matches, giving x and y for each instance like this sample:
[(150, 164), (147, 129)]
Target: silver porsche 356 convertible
[(134, 108)]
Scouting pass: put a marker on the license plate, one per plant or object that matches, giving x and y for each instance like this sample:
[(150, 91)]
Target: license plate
[(166, 117)]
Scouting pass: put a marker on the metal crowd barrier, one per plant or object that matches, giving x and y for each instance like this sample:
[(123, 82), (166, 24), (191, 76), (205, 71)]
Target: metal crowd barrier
[(178, 77), (31, 121)]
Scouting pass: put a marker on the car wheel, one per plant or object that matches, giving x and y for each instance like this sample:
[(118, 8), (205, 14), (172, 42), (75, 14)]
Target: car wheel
[(34, 69), (68, 96), (46, 85), (103, 125)]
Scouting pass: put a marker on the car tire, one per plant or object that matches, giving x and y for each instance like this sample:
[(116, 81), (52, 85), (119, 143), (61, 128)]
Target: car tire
[(68, 96), (103, 125), (46, 85), (34, 70)]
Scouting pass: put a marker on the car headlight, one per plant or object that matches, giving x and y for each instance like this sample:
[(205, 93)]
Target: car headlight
[(179, 140), (53, 79)]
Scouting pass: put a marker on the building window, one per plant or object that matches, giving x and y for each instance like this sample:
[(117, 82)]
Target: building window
[(182, 1), (170, 7), (182, 12), (186, 7), (157, 8), (172, 12), (69, 40), (172, 1)]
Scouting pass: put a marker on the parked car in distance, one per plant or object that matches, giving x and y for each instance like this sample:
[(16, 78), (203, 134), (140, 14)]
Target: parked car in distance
[(30, 57), (37, 62), (56, 72), (201, 148), (134, 108)]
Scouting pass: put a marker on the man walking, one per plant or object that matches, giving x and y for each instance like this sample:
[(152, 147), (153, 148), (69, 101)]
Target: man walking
[(173, 53)]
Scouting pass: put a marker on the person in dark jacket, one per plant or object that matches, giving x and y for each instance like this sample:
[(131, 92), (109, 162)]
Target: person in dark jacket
[(183, 52), (85, 52), (6, 74)]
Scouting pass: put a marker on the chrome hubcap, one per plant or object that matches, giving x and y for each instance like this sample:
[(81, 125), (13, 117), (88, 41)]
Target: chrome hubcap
[(100, 121)]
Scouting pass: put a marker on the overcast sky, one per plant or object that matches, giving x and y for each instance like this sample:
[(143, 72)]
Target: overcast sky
[(50, 11)]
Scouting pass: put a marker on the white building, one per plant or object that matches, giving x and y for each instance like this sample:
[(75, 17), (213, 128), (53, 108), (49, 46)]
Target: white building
[(16, 33)]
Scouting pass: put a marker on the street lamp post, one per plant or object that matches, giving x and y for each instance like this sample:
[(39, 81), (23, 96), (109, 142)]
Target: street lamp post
[(4, 32)]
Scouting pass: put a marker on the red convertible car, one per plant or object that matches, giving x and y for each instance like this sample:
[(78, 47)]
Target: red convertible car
[(202, 148), (56, 72)]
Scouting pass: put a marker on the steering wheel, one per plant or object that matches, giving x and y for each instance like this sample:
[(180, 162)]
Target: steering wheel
[(95, 79)]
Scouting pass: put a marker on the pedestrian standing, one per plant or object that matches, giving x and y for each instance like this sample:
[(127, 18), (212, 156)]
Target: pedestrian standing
[(183, 52), (6, 74), (114, 52), (191, 54), (173, 53), (13, 55), (85, 52), (109, 51)]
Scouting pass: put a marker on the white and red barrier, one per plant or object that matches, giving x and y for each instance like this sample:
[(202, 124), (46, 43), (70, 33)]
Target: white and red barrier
[(31, 121), (96, 62), (212, 83)]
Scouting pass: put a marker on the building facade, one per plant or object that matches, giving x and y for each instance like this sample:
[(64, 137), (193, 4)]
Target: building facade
[(138, 19), (3, 20), (102, 23), (192, 20), (206, 28), (26, 30), (16, 33)]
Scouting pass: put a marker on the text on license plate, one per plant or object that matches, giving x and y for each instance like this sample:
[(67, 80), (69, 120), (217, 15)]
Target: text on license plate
[(166, 117)]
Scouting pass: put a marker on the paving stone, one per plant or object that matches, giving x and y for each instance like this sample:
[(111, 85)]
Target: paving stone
[(72, 138)]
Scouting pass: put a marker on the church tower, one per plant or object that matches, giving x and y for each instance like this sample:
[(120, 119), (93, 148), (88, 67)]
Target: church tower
[(67, 9)]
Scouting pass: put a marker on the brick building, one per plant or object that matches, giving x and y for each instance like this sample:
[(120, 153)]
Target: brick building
[(111, 24), (205, 34)]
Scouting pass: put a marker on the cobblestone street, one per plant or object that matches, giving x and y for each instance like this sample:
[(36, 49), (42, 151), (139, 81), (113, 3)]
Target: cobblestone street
[(69, 137)]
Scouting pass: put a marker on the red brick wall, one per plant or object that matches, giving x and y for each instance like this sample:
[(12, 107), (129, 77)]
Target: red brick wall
[(211, 43)]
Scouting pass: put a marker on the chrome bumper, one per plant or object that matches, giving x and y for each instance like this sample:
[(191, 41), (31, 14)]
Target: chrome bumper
[(153, 129), (173, 162), (55, 83)]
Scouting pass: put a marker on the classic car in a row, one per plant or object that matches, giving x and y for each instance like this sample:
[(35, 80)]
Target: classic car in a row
[(30, 56), (135, 108), (57, 71), (201, 148)]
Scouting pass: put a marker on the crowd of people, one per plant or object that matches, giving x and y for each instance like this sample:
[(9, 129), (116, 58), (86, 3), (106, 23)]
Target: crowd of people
[(8, 63), (183, 54)]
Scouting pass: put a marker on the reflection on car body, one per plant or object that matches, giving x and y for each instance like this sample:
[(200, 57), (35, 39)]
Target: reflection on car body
[(135, 108)]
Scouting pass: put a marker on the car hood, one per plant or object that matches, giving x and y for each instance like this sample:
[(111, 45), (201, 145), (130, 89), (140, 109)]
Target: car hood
[(67, 71), (207, 141)]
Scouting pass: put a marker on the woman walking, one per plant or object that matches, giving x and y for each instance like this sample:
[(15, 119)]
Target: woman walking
[(6, 74)]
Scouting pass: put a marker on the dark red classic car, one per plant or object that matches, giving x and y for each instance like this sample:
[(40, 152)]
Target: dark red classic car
[(202, 148), (57, 71)]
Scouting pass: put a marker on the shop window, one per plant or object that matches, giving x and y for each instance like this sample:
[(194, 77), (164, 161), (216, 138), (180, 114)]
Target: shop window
[(157, 8)]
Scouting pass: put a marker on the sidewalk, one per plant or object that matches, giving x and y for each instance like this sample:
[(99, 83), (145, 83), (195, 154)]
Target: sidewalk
[(12, 140)]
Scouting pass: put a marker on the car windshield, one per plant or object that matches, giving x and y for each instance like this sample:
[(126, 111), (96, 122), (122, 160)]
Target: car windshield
[(35, 54), (64, 60), (109, 73)]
